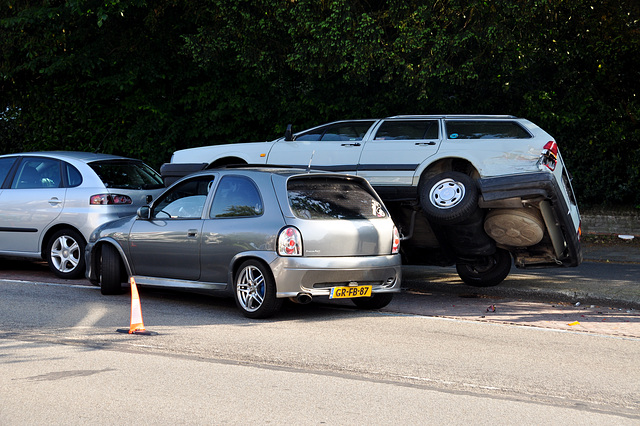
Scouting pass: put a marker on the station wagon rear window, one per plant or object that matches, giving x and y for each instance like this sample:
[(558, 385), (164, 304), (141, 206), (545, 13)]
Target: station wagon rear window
[(326, 198), (486, 130)]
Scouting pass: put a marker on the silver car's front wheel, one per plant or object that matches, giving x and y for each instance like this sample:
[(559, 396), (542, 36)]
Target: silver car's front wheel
[(65, 254), (255, 290)]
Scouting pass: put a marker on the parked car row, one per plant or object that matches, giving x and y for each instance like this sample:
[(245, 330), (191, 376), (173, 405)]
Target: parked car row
[(260, 235), (303, 216)]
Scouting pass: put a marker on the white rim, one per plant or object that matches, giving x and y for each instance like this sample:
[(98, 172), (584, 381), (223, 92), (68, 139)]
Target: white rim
[(447, 193)]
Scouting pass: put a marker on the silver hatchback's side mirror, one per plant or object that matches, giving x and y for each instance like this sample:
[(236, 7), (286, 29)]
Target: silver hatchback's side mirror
[(144, 212)]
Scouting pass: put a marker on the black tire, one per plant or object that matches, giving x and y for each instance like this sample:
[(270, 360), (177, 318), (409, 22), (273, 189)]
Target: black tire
[(254, 290), (377, 301), (110, 271), (65, 254), (488, 273), (449, 198)]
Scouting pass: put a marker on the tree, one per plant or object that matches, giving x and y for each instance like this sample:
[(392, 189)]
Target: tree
[(147, 78)]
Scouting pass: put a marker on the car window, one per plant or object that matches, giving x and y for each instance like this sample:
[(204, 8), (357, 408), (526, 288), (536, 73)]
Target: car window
[(486, 130), (37, 172), (331, 198), (408, 130), (5, 167), (74, 178), (348, 131), (127, 174), (236, 196), (185, 200)]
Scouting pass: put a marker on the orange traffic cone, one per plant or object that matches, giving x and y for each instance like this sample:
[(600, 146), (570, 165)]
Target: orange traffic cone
[(136, 309), (137, 326)]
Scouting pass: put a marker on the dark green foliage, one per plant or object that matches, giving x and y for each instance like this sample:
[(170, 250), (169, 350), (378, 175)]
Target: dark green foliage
[(146, 78)]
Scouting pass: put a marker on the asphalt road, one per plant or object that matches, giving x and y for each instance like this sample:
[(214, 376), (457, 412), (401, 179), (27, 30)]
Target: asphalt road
[(428, 358)]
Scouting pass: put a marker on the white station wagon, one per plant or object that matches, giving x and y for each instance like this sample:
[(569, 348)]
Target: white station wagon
[(480, 192)]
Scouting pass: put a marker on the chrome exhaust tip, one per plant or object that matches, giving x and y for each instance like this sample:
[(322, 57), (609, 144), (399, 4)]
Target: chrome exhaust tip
[(302, 298)]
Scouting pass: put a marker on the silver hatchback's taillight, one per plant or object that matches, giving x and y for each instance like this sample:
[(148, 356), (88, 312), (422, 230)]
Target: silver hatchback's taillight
[(395, 248), (290, 242), (102, 199)]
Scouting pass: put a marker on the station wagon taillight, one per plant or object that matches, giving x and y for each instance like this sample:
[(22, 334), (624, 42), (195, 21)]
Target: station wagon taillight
[(549, 155), (395, 249), (290, 242), (103, 199)]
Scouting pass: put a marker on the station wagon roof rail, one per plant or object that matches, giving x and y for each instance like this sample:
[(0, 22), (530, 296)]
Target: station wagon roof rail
[(445, 116)]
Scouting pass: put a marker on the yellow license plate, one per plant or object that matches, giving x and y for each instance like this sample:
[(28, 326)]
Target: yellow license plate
[(349, 292)]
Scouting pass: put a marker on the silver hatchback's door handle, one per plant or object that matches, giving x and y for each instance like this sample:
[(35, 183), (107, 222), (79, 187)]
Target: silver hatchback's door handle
[(192, 233), (350, 144), (54, 201), (425, 143)]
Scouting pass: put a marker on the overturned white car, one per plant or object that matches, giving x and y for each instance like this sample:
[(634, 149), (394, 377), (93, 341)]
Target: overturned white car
[(474, 191)]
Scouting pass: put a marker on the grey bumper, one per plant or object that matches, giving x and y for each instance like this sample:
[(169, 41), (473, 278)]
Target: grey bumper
[(317, 275)]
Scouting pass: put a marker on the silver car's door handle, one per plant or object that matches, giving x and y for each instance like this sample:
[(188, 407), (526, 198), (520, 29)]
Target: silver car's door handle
[(54, 201), (350, 144), (425, 143), (192, 233)]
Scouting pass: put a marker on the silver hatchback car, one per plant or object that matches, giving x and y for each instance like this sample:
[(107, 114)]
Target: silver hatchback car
[(260, 234), (50, 202)]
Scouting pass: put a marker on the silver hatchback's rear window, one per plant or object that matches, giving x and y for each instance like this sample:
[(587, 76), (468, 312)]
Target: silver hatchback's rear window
[(125, 174), (332, 198)]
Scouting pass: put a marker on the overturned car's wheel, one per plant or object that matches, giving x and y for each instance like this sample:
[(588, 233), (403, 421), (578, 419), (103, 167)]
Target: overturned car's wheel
[(449, 198), (488, 272), (255, 290), (377, 301)]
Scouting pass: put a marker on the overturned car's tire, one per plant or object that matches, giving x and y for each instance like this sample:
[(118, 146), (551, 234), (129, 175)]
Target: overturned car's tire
[(488, 272), (449, 198)]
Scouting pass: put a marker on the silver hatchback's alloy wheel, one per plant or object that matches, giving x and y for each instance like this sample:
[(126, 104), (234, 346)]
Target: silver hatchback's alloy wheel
[(250, 288), (65, 254), (255, 290)]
